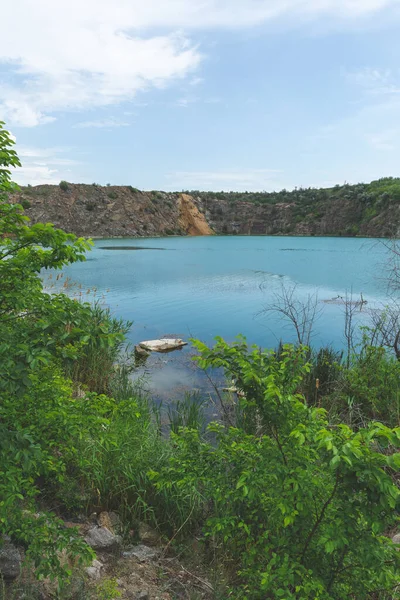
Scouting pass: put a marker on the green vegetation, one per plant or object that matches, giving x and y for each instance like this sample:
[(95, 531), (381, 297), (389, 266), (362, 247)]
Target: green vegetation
[(364, 204), (289, 500), (377, 193), (64, 186), (25, 204), (297, 508)]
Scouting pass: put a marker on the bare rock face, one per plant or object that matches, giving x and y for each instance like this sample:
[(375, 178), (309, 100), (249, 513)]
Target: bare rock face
[(101, 538), (124, 211), (191, 219), (10, 561)]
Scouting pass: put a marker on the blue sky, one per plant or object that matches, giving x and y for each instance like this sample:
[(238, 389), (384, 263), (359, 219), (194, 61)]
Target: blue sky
[(202, 94)]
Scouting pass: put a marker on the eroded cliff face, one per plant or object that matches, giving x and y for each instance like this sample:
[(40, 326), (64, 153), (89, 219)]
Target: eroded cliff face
[(96, 211), (191, 220), (91, 210)]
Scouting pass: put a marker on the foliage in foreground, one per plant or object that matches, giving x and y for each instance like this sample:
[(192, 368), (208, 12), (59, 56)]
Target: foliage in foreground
[(300, 508)]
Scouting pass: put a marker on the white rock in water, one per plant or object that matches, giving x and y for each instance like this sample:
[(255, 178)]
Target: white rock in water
[(163, 345)]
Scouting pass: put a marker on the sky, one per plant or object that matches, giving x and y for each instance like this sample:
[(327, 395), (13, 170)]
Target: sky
[(202, 94)]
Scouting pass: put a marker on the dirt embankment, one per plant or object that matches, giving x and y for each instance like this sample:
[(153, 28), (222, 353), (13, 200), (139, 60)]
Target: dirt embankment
[(191, 219)]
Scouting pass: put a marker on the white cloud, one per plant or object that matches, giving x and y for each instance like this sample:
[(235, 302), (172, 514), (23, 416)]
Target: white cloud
[(196, 81), (71, 55), (103, 123), (374, 81), (37, 175), (239, 180), (43, 165)]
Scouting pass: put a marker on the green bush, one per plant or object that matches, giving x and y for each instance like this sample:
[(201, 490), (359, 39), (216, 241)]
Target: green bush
[(64, 186), (36, 331), (112, 195), (370, 389), (296, 508), (25, 203)]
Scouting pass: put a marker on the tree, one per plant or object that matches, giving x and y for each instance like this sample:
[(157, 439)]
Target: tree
[(299, 314), (37, 330)]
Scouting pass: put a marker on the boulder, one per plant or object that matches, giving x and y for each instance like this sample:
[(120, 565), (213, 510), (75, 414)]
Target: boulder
[(148, 535), (141, 352), (109, 520), (162, 345), (94, 571), (396, 538), (101, 538), (10, 560), (141, 552)]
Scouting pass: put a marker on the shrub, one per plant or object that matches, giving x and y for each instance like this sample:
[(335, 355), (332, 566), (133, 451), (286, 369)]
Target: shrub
[(64, 186), (25, 203), (30, 344), (297, 508), (112, 195), (133, 189), (370, 389)]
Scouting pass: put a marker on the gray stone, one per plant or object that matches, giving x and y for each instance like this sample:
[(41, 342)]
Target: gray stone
[(10, 561), (396, 538), (148, 535), (142, 596), (141, 552), (100, 538), (94, 571)]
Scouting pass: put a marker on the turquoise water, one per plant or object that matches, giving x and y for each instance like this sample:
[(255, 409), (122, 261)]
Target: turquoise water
[(207, 286)]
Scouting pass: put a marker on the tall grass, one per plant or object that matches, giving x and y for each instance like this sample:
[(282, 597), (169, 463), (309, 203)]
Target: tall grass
[(188, 412), (95, 367), (117, 469)]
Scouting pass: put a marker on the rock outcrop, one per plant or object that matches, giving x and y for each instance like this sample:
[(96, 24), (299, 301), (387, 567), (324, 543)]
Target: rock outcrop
[(191, 220), (124, 211)]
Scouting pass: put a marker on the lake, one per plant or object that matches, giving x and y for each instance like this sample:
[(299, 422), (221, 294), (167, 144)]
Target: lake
[(207, 286)]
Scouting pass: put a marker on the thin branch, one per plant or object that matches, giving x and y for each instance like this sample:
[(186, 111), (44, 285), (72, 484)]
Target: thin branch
[(320, 518)]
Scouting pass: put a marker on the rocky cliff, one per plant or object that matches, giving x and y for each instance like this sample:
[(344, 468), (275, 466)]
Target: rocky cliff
[(91, 210)]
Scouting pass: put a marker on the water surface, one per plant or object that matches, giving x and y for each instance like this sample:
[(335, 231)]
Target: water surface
[(207, 286)]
